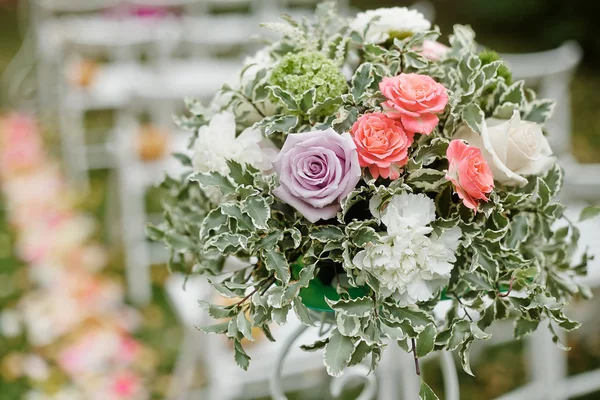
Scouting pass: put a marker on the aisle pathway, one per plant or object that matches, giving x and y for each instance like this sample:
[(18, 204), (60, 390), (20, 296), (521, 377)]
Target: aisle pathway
[(72, 333)]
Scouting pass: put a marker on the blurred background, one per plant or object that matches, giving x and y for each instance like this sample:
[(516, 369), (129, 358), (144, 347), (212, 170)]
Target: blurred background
[(98, 81)]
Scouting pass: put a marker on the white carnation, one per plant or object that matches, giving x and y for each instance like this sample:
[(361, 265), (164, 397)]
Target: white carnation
[(409, 212), (411, 263), (217, 143), (413, 267), (390, 22)]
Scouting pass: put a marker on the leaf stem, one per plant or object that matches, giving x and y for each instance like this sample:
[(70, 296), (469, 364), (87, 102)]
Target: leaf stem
[(374, 297), (463, 307), (510, 287), (249, 101), (256, 289), (414, 351)]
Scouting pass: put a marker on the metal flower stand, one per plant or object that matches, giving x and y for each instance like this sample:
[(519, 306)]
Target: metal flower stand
[(370, 389)]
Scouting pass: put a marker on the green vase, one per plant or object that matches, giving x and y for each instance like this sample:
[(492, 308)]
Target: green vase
[(314, 295)]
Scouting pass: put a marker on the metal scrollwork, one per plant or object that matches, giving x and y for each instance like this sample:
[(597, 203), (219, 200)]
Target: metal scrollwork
[(337, 385), (358, 372)]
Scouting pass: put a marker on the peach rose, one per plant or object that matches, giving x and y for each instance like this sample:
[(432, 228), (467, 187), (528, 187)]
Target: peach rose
[(414, 99), (469, 173), (382, 144)]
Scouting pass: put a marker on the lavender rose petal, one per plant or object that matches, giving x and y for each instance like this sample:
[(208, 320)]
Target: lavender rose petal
[(311, 213), (334, 167), (316, 171)]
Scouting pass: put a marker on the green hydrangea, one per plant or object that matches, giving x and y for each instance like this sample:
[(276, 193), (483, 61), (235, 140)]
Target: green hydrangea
[(298, 72), (489, 56)]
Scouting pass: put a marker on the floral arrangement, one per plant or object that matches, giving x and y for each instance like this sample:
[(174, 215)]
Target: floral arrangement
[(71, 330), (367, 173)]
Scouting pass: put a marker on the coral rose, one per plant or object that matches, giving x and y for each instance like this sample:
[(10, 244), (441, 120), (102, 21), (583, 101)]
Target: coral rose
[(469, 172), (414, 99), (382, 144)]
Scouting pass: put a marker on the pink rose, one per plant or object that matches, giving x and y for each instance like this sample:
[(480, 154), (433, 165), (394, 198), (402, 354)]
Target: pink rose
[(316, 170), (382, 144), (414, 99), (469, 173), (433, 50)]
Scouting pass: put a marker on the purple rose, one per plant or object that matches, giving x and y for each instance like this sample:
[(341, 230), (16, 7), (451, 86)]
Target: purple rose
[(316, 170)]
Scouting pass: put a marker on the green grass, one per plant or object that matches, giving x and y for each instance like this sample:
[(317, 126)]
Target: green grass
[(12, 284), (10, 39)]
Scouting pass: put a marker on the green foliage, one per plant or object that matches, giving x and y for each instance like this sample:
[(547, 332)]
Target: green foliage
[(425, 392)]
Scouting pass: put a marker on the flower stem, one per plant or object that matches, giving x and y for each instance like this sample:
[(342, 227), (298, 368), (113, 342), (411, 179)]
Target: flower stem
[(414, 351)]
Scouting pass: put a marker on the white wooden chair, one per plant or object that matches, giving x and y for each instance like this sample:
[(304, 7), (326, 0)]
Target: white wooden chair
[(135, 176), (170, 83), (120, 38), (62, 37), (226, 381), (547, 365), (69, 6), (552, 71)]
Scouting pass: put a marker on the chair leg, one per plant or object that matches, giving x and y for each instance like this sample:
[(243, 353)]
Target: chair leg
[(135, 246), (395, 361), (72, 137), (409, 378), (547, 364), (387, 374), (451, 384), (111, 214)]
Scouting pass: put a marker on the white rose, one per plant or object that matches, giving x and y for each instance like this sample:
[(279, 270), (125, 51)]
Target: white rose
[(512, 148), (217, 142), (395, 21)]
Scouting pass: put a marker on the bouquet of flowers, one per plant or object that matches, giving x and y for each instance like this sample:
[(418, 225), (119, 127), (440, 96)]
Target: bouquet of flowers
[(366, 172)]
